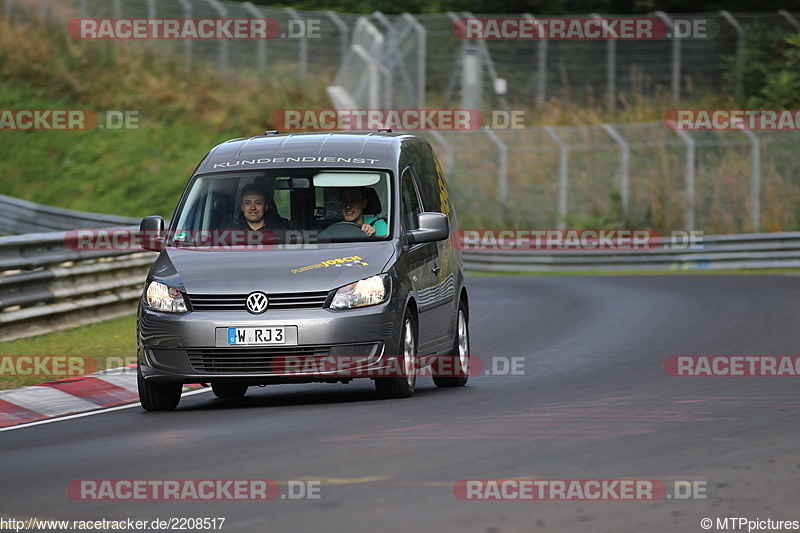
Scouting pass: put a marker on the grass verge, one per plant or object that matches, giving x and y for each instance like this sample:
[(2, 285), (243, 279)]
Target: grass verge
[(96, 347)]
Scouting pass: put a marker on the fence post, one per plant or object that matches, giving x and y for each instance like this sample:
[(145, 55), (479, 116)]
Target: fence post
[(448, 149), (471, 79), (624, 176), (344, 41), (388, 63), (421, 57), (373, 65), (788, 16), (118, 9), (502, 164), (563, 184), (689, 221), (303, 44), (541, 67), (755, 179), (739, 48), (261, 44), (187, 43), (223, 43), (611, 67), (83, 11), (676, 56)]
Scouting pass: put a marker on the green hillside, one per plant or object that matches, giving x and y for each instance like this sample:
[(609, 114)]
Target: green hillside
[(183, 111)]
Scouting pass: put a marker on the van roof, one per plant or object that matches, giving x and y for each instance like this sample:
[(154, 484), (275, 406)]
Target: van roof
[(313, 149)]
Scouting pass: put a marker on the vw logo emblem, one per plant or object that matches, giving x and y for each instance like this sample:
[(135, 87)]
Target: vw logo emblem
[(257, 302)]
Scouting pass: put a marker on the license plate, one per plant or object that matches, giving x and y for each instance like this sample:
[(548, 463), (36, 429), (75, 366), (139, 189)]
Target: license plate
[(254, 336)]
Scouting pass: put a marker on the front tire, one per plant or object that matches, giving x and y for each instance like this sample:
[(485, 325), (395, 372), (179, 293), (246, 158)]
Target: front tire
[(454, 370), (402, 386), (158, 396)]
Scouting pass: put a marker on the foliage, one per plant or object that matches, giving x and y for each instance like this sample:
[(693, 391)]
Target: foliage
[(768, 75)]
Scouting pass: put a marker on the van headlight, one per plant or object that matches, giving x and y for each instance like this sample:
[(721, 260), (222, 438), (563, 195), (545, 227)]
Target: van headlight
[(162, 298), (364, 292)]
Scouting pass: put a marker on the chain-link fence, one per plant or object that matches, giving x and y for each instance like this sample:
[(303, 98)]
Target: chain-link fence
[(422, 58), (642, 175), (624, 175)]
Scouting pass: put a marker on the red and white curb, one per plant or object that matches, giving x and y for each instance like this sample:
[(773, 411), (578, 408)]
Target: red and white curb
[(107, 388)]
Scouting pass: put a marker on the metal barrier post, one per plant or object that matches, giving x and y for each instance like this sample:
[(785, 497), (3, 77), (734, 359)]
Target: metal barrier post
[(541, 67), (624, 158), (676, 56), (344, 40), (755, 179), (690, 171), (421, 43), (502, 164), (611, 67), (261, 44), (223, 43), (739, 48), (187, 43), (448, 149), (303, 59), (563, 183)]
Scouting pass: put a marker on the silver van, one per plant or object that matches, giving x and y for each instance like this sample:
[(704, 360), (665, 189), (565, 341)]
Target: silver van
[(300, 258)]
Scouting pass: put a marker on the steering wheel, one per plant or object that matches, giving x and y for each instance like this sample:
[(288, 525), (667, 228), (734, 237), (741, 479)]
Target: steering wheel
[(342, 230)]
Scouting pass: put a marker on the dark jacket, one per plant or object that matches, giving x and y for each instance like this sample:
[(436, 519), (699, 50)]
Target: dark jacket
[(273, 222)]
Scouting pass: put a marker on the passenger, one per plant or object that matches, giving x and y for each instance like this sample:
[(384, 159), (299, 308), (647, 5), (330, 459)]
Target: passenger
[(353, 201), (259, 213)]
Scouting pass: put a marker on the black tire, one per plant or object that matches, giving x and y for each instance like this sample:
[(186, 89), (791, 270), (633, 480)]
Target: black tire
[(453, 371), (228, 390), (158, 396), (402, 386)]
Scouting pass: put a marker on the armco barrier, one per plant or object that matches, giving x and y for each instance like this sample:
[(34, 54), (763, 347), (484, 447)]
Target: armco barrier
[(45, 286), (711, 252), (20, 216)]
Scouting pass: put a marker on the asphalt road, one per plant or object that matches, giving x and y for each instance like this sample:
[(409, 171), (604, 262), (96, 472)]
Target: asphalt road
[(593, 402)]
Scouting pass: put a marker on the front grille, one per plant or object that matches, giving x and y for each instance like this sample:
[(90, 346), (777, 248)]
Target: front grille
[(236, 302), (257, 360)]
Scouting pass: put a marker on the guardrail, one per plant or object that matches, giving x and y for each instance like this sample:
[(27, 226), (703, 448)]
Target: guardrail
[(20, 216), (711, 252), (46, 286)]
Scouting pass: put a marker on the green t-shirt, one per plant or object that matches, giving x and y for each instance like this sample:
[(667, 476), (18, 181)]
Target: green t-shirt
[(380, 225)]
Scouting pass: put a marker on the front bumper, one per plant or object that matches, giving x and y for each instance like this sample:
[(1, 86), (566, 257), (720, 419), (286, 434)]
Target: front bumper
[(322, 345)]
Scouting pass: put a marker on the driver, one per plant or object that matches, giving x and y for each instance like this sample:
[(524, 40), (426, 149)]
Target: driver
[(259, 212), (353, 201)]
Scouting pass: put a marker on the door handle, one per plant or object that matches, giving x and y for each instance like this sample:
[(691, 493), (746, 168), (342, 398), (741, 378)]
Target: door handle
[(436, 269)]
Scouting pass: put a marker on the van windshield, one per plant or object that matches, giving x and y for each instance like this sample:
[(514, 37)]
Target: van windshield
[(289, 206)]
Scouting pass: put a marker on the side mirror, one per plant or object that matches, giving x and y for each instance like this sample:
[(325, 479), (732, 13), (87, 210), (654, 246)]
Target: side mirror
[(432, 227), (152, 233)]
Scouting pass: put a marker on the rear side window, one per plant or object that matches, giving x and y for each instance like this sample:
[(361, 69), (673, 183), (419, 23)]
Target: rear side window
[(411, 204)]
